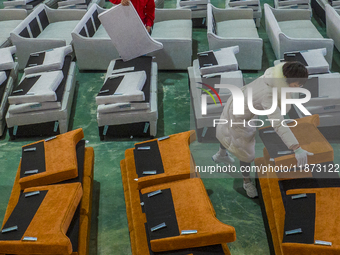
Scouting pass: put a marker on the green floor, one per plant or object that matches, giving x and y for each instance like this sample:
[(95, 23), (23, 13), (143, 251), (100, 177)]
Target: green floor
[(109, 230)]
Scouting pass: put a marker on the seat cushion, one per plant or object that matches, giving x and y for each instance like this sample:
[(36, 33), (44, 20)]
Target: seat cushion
[(299, 29), (101, 33), (172, 29), (241, 28), (59, 30), (5, 28)]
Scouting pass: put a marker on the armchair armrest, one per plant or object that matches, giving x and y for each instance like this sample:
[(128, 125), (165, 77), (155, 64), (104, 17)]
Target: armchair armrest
[(27, 45), (171, 14), (296, 44)]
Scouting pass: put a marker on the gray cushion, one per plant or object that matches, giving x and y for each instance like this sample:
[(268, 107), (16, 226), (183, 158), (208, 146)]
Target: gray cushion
[(241, 28), (172, 29), (299, 29), (101, 33), (59, 30), (6, 27)]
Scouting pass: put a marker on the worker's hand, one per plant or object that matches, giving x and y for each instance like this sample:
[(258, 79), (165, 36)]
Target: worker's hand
[(301, 156), (125, 2), (148, 28)]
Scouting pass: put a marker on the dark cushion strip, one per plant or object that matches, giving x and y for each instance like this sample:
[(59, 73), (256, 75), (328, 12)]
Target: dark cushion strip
[(90, 27), (206, 250), (141, 64), (32, 160), (148, 160), (24, 33), (43, 19), (300, 213), (273, 142), (96, 19), (83, 32), (35, 29), (158, 209), (210, 59), (36, 59), (22, 215), (25, 85), (294, 56), (111, 86)]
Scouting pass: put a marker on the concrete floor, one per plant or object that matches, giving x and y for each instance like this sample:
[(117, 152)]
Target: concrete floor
[(109, 230)]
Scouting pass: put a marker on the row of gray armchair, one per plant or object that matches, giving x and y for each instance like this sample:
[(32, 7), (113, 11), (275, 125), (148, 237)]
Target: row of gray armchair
[(288, 30)]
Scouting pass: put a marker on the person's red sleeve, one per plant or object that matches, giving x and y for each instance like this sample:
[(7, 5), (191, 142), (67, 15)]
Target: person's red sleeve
[(115, 1), (149, 12)]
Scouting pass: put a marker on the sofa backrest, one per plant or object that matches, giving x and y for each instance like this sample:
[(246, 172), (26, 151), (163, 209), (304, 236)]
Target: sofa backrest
[(90, 22), (33, 24), (216, 15)]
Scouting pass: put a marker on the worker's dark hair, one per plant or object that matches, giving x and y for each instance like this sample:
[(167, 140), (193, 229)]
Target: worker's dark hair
[(295, 72)]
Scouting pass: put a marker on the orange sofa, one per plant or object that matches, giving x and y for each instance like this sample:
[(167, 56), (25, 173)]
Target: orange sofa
[(61, 224), (188, 197), (300, 206)]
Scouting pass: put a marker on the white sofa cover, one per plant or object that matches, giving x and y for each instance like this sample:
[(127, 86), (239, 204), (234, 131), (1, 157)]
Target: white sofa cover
[(333, 25), (92, 45), (44, 29), (292, 30), (173, 28), (9, 19), (231, 27)]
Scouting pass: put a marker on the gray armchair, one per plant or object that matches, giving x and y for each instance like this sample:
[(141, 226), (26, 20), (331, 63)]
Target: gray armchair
[(231, 27), (292, 30)]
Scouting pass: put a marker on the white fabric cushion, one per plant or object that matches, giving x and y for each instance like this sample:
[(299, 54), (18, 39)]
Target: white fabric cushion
[(226, 60), (240, 28), (129, 89), (3, 77), (59, 30), (6, 28), (6, 59), (54, 60), (299, 29), (127, 32), (43, 90)]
